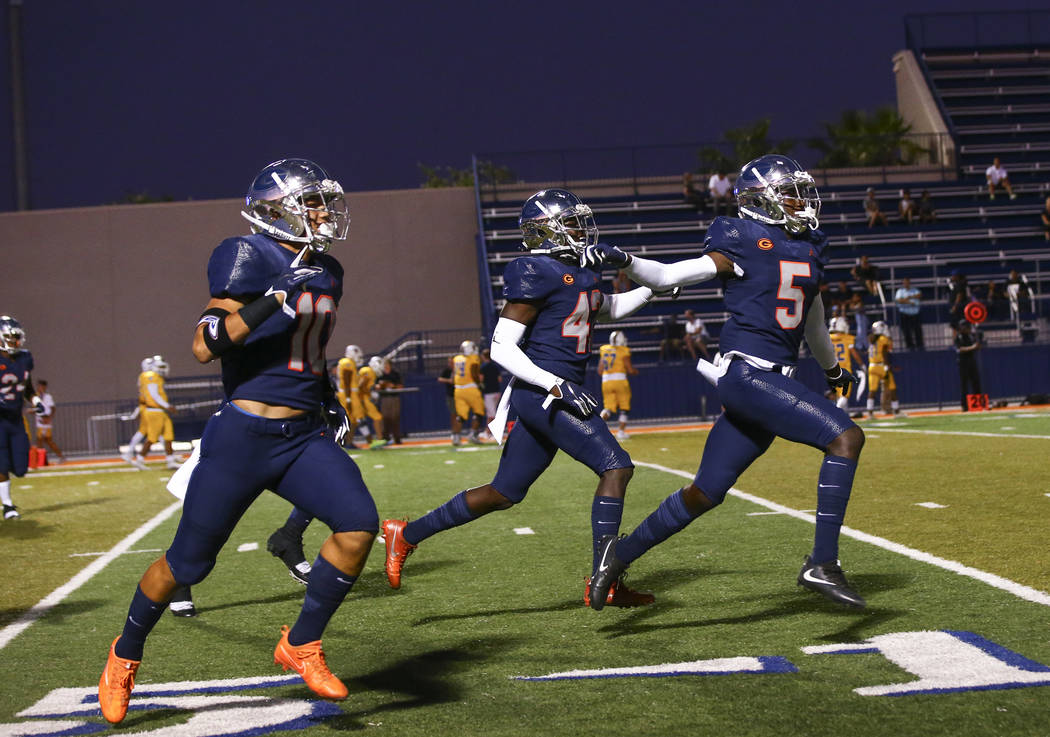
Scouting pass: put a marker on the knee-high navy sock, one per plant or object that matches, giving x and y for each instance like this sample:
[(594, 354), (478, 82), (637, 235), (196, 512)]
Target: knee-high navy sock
[(606, 513), (297, 522), (452, 513), (143, 614), (327, 588), (833, 489), (670, 517)]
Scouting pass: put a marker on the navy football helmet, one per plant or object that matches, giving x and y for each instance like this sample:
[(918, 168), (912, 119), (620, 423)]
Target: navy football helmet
[(774, 189), (295, 200), (554, 221), (12, 336)]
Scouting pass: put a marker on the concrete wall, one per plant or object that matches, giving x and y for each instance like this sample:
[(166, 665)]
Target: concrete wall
[(99, 289)]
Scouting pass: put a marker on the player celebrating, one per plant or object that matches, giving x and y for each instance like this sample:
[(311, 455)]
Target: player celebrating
[(552, 304), (16, 385), (614, 366), (847, 357), (270, 316), (466, 378), (770, 262), (881, 370)]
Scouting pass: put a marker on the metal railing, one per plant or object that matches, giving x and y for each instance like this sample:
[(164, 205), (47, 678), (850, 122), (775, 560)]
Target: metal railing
[(1000, 28)]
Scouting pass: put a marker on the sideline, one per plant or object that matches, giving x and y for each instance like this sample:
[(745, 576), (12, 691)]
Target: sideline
[(1012, 587), (56, 597)]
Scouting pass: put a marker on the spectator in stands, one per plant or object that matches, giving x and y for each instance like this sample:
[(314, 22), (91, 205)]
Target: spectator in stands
[(390, 401), (720, 189), (958, 296), (908, 300), (672, 334), (696, 336), (841, 298), (906, 208), (450, 391), (866, 273), (998, 176), (1045, 215), (995, 299), (690, 194), (621, 282), (927, 214), (491, 387), (1019, 292), (872, 210), (967, 343)]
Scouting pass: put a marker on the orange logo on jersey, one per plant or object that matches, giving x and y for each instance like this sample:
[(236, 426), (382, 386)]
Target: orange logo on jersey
[(568, 278), (765, 244)]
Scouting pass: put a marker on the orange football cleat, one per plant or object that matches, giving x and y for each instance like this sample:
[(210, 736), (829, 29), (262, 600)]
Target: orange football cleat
[(397, 550), (620, 594), (308, 661), (114, 687)]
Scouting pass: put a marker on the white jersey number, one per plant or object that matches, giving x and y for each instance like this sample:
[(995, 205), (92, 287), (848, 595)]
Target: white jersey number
[(578, 324), (790, 317)]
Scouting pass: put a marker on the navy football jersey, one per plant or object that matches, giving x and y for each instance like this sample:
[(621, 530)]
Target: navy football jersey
[(768, 305), (14, 373), (283, 360), (559, 339)]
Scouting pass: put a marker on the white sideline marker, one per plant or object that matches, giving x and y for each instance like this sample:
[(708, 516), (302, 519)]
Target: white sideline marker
[(56, 597), (247, 547), (524, 531), (931, 505), (1012, 587)]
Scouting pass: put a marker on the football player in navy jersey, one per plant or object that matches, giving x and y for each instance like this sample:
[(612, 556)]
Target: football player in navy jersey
[(770, 262), (16, 385), (552, 303), (273, 301)]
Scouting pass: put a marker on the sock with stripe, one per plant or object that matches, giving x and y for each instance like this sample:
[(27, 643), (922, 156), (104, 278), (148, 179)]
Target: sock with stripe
[(452, 513), (327, 588), (606, 513), (143, 615), (833, 489), (670, 517)]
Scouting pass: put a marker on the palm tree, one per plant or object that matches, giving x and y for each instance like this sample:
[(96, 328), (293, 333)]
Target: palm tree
[(860, 138), (745, 143)]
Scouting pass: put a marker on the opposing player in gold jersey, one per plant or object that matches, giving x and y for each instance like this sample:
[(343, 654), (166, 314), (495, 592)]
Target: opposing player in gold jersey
[(156, 411), (881, 369), (466, 378), (847, 356), (614, 366)]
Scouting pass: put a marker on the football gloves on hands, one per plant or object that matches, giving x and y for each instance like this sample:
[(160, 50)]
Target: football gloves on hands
[(292, 277), (603, 253), (843, 379), (579, 399), (336, 419)]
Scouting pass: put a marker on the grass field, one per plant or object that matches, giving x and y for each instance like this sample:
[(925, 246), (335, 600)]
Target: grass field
[(483, 605)]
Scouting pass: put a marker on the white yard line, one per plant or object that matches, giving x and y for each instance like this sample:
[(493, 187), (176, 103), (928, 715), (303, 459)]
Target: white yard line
[(961, 432), (1019, 590), (14, 629)]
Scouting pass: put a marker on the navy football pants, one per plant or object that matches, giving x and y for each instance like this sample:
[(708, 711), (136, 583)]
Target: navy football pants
[(241, 456), (538, 434), (759, 406), (14, 445)]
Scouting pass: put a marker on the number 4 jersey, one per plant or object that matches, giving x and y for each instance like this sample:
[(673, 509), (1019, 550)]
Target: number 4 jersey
[(769, 303), (282, 362), (568, 298)]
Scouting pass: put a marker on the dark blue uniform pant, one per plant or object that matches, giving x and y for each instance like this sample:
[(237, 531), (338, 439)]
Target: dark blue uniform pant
[(14, 444)]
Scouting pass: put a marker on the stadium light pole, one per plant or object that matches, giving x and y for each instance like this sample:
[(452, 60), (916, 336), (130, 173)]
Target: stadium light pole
[(18, 128)]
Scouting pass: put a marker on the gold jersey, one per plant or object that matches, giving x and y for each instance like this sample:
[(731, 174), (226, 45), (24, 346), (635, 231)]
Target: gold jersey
[(367, 378), (613, 359), (346, 375), (463, 370), (843, 344), (880, 348), (146, 380)]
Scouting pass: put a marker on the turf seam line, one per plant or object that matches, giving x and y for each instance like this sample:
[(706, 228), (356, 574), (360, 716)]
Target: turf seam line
[(56, 597), (1012, 587)]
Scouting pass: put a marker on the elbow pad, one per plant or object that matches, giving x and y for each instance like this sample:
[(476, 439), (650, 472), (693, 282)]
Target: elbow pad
[(216, 338)]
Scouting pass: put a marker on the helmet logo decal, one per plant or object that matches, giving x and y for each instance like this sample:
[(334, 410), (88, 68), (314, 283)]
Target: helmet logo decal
[(765, 244), (569, 279)]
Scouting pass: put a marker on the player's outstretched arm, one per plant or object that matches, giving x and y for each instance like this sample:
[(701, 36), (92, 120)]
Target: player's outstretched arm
[(625, 304)]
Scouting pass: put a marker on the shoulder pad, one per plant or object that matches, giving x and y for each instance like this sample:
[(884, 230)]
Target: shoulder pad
[(528, 278), (243, 265), (724, 235)]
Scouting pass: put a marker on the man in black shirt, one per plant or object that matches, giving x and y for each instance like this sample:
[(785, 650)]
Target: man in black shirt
[(491, 386), (967, 343)]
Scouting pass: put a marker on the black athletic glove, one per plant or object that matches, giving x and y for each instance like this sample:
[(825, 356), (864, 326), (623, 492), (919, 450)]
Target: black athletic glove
[(843, 379), (578, 398), (603, 253)]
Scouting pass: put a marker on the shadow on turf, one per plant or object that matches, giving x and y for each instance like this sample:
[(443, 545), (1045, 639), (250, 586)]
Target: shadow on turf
[(70, 504), (790, 603)]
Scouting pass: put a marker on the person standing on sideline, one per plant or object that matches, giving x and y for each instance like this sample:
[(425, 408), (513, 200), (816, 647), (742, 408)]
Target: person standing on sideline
[(45, 421), (614, 366), (909, 305), (770, 261), (274, 296), (491, 387), (967, 343), (16, 366)]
